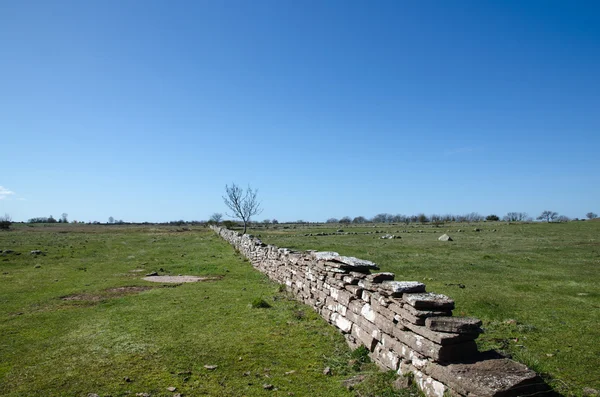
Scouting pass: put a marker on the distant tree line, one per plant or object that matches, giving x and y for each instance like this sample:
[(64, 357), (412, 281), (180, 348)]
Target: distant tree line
[(547, 216)]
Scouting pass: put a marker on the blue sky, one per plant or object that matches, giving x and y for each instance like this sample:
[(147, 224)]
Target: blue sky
[(144, 110)]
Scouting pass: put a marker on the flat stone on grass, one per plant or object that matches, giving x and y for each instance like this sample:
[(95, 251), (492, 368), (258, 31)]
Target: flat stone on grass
[(179, 279)]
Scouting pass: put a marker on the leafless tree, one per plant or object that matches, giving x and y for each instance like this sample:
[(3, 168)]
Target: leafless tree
[(243, 204), (216, 217), (516, 217), (548, 216), (5, 222), (63, 217), (591, 215)]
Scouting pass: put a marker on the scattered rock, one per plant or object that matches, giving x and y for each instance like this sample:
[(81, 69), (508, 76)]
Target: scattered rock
[(327, 371), (292, 372), (211, 367), (127, 379), (171, 388), (588, 391), (445, 237), (152, 274), (36, 252), (402, 382), (92, 395), (340, 230), (37, 266), (389, 237), (142, 395), (268, 386), (476, 230), (247, 373)]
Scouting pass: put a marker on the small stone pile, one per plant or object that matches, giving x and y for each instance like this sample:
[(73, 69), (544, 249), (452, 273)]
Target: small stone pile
[(405, 328)]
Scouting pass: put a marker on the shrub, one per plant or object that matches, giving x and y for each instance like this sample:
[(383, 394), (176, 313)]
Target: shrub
[(492, 218)]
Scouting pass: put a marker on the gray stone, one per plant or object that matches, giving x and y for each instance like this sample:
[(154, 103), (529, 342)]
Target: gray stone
[(429, 301), (397, 288), (459, 325), (379, 277), (345, 261), (445, 237), (151, 274), (442, 338), (498, 377), (171, 388)]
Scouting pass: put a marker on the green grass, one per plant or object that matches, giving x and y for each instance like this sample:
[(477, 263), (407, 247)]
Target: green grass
[(111, 343), (535, 286)]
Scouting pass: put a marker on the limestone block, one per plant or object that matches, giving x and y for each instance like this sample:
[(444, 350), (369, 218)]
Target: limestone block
[(341, 322), (461, 325), (489, 377), (398, 288), (442, 338), (424, 301)]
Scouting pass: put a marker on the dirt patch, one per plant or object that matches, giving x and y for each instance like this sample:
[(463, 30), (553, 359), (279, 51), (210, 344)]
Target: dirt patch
[(106, 294), (180, 279)]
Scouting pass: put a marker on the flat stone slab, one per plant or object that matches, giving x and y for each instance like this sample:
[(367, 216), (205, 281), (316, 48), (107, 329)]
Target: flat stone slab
[(499, 377), (426, 301), (397, 288), (179, 279), (349, 262), (457, 325)]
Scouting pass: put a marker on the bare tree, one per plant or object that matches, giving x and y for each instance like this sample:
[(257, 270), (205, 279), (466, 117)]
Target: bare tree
[(591, 215), (216, 217), (332, 220), (111, 219), (243, 204), (516, 217), (5, 222), (63, 217), (359, 219), (346, 220), (548, 216)]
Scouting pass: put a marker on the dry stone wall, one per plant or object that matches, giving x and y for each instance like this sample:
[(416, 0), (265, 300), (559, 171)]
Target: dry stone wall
[(405, 328)]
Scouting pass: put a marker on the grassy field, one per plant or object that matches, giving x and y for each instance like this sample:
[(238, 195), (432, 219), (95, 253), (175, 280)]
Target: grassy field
[(79, 319), (536, 286)]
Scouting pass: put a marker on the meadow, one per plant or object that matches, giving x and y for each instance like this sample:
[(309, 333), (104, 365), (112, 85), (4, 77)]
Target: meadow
[(77, 319), (535, 286)]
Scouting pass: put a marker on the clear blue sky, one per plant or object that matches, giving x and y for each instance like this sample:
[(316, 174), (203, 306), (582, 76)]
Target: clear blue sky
[(144, 110)]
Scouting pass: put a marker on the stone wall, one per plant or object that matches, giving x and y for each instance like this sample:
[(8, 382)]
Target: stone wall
[(405, 328)]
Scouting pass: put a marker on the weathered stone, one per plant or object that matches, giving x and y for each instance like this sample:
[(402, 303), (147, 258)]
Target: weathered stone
[(437, 352), (354, 289), (442, 338), (397, 288), (445, 237), (364, 337), (379, 277), (459, 325), (429, 301), (341, 322), (345, 261), (488, 377)]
